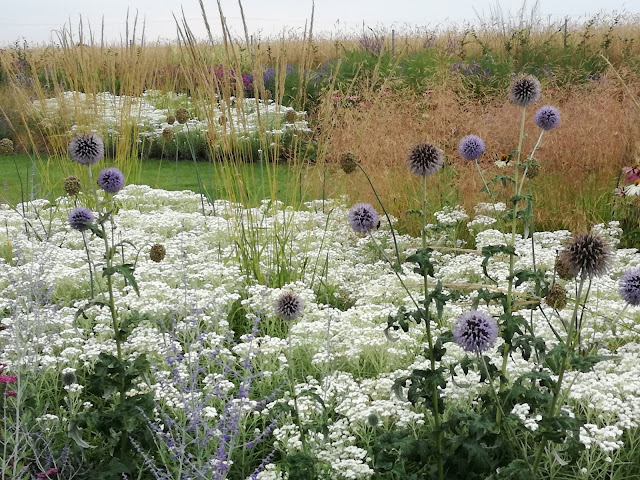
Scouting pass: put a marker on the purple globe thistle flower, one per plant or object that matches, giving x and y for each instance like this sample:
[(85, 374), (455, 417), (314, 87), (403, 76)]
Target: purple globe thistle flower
[(547, 117), (629, 286), (79, 217), (86, 149), (471, 147), (425, 159), (475, 331), (588, 254), (363, 218), (525, 90), (289, 306), (111, 180)]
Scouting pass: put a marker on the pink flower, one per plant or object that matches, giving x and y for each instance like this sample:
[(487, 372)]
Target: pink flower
[(11, 393), (8, 378), (633, 174)]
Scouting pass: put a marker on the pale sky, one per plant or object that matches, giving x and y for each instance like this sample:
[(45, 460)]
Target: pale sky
[(38, 20)]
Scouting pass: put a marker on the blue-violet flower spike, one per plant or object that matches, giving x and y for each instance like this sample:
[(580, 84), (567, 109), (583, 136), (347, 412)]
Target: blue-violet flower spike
[(471, 147), (547, 117), (111, 180), (475, 331), (629, 286), (79, 217), (86, 149), (363, 218)]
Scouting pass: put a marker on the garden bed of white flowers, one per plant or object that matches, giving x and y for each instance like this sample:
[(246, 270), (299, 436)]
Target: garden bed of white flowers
[(236, 386), (154, 111)]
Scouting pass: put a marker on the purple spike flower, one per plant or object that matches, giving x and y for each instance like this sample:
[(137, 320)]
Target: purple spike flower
[(471, 147), (475, 331), (363, 218), (86, 149), (79, 217), (629, 286), (111, 180), (547, 117)]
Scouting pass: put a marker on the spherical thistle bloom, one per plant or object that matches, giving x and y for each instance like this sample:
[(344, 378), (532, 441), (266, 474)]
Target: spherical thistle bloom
[(288, 306), (557, 297), (563, 270), (475, 331), (72, 185), (348, 162), (471, 147), (363, 218), (6, 147), (79, 217), (171, 119), (425, 159), (182, 115), (291, 116), (629, 286), (167, 134), (547, 117), (587, 254), (86, 149), (111, 180), (533, 170), (157, 253), (525, 90), (69, 377), (373, 419)]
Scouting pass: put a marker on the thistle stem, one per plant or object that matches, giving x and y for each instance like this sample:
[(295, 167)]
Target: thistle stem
[(514, 216), (393, 234), (482, 178), (570, 343), (427, 321), (529, 158)]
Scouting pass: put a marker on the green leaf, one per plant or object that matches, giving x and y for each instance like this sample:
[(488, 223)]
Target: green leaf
[(516, 470), (510, 325), (95, 229), (504, 179), (126, 270), (491, 250), (438, 348), (74, 432), (423, 258), (439, 298), (586, 363), (314, 395)]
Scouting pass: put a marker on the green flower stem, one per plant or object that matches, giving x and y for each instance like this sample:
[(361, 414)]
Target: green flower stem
[(112, 306), (500, 409), (514, 217), (292, 384), (572, 335), (424, 214), (393, 234), (427, 321), (380, 249), (529, 158), (482, 177)]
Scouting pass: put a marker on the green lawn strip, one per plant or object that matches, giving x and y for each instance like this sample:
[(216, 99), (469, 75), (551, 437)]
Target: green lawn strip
[(16, 178)]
